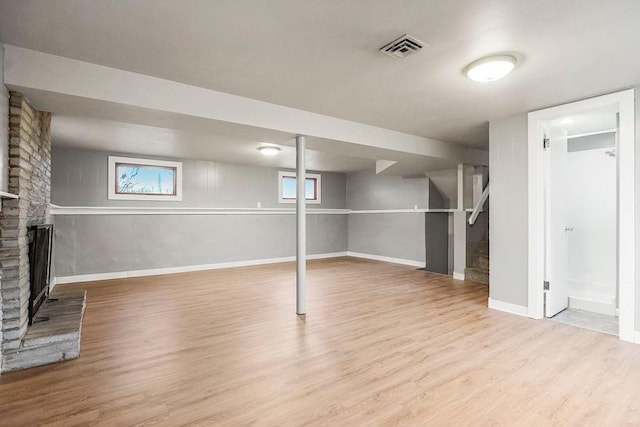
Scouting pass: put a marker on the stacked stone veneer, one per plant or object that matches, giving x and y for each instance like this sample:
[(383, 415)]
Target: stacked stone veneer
[(30, 179)]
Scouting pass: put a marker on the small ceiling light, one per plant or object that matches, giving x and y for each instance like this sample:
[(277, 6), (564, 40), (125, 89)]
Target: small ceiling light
[(566, 121), (269, 150), (490, 68)]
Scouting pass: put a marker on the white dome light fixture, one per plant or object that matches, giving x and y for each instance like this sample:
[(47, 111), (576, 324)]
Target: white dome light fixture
[(490, 68), (269, 150)]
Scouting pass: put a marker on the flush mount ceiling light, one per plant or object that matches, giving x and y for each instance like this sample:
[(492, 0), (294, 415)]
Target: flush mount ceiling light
[(490, 68), (269, 150)]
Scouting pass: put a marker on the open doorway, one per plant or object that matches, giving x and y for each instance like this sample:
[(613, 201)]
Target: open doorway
[(580, 192), (581, 214)]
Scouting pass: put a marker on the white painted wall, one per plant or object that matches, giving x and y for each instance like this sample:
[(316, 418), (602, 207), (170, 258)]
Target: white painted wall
[(592, 243)]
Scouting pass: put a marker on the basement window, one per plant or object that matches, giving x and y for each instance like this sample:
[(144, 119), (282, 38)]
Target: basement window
[(144, 179), (287, 182)]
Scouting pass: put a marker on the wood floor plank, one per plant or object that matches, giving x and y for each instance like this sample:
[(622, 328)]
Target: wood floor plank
[(382, 344)]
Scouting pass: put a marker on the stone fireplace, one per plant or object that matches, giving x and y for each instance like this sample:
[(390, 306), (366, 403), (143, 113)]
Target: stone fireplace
[(30, 179)]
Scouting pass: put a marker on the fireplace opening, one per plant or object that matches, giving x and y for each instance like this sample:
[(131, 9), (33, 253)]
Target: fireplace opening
[(40, 244)]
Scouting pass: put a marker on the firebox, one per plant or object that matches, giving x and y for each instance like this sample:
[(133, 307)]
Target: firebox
[(40, 244)]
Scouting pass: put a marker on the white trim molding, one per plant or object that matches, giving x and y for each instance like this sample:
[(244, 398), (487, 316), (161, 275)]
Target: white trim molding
[(52, 284), (387, 259), (5, 195), (59, 280), (458, 276), (146, 210), (395, 211), (507, 307), (624, 103), (112, 179), (185, 269), (289, 174), (636, 338), (164, 210)]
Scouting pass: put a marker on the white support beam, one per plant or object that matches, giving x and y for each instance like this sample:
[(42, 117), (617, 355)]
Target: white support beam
[(461, 186), (382, 165), (460, 229), (51, 81), (301, 227)]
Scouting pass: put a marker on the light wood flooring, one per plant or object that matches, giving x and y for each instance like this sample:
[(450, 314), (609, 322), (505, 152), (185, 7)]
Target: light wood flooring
[(382, 344)]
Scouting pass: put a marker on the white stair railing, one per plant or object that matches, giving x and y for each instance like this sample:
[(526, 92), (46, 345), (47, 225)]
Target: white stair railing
[(478, 207)]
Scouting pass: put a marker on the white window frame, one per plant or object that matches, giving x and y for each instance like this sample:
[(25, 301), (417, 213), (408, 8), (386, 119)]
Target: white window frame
[(287, 174), (111, 183)]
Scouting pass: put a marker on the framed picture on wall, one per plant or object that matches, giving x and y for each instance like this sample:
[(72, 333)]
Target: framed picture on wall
[(144, 179)]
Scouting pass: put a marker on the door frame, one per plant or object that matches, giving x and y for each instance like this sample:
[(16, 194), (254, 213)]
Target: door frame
[(625, 103)]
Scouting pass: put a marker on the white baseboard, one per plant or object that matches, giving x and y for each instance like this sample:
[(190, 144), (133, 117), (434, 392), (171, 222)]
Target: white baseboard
[(386, 259), (52, 284), (458, 276), (520, 310), (185, 269), (636, 337)]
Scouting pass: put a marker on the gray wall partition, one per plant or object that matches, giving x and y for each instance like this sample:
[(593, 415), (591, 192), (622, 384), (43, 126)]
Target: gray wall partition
[(394, 235), (437, 248), (94, 244), (508, 228), (437, 244)]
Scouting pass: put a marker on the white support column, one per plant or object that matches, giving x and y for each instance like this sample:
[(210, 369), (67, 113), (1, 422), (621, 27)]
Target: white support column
[(461, 186), (460, 230), (301, 228), (459, 244)]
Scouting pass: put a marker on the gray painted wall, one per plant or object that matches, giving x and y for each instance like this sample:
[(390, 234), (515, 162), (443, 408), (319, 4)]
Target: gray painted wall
[(4, 127), (446, 182), (508, 234), (366, 190), (439, 245), (400, 235), (391, 235), (79, 178), (91, 244)]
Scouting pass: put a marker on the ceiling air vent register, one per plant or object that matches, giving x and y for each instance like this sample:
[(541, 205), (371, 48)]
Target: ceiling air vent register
[(402, 47)]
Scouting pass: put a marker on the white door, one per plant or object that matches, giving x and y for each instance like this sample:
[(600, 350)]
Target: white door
[(556, 226)]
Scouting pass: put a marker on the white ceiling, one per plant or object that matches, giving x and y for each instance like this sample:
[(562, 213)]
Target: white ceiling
[(322, 56), (235, 146)]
